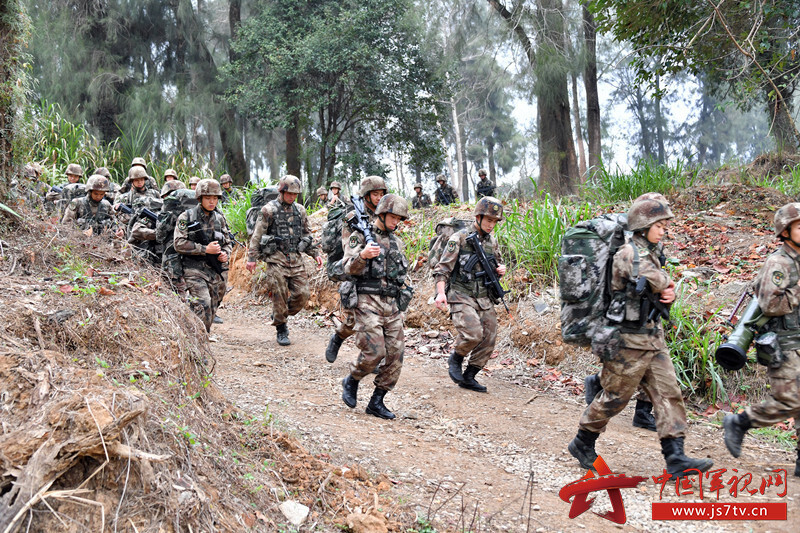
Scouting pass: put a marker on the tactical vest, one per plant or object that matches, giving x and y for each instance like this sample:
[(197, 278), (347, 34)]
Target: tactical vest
[(464, 281), (99, 220), (198, 262), (632, 302), (287, 231), (390, 265), (787, 326)]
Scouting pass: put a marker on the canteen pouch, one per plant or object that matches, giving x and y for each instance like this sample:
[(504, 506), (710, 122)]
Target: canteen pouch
[(348, 294), (606, 342), (768, 350)]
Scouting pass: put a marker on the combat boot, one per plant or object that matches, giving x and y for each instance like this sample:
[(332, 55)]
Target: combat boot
[(797, 465), (376, 407), (283, 334), (582, 448), (218, 320), (735, 428), (469, 379), (591, 387), (643, 416), (350, 391), (678, 463), (332, 352), (454, 365)]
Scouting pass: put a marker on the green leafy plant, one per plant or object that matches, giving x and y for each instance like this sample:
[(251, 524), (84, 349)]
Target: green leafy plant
[(648, 176)]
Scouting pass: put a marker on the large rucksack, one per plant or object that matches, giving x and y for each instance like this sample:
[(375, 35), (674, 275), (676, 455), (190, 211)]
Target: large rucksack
[(331, 242), (444, 230), (584, 272), (258, 199), (174, 205)]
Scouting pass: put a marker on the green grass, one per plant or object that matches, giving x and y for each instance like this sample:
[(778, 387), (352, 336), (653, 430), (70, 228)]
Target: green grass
[(648, 176), (236, 212), (530, 234), (417, 238), (782, 437), (787, 183)]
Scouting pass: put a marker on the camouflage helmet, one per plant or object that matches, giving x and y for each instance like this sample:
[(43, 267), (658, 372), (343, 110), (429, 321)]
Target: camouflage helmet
[(653, 196), (139, 162), (290, 184), (645, 213), (372, 183), (103, 171), (489, 206), (394, 204), (37, 168), (336, 185), (322, 192), (170, 172), (441, 178), (137, 172), (482, 172), (96, 182), (417, 185), (29, 172), (172, 185), (207, 187), (225, 178), (194, 180), (785, 216), (74, 168)]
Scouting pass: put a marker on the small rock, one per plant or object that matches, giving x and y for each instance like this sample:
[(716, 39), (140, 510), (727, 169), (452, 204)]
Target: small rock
[(541, 307), (366, 523), (295, 512), (432, 334)]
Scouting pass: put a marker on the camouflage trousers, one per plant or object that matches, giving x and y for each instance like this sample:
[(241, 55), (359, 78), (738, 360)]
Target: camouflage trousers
[(640, 394), (380, 338), (346, 327), (622, 375), (477, 332), (289, 289), (206, 289), (784, 398)]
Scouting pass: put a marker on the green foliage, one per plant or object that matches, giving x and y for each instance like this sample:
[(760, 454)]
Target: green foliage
[(235, 212), (788, 183), (417, 238), (423, 525), (648, 176), (531, 234), (692, 339)]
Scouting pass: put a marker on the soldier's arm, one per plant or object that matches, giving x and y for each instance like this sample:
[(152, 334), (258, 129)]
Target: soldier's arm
[(70, 213), (352, 263), (181, 241), (264, 218), (657, 277), (776, 296), (226, 244), (313, 249), (141, 232), (447, 262)]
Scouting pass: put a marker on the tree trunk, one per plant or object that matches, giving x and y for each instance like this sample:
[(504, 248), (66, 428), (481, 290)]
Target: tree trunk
[(273, 156), (490, 157), (10, 42), (641, 114), (464, 175), (293, 146), (576, 111), (592, 95), (456, 178), (659, 123)]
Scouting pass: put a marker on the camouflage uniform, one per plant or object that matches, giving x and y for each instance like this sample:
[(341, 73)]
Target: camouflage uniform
[(346, 327), (420, 200), (445, 194), (471, 309), (286, 234), (643, 357), (227, 195), (86, 213), (175, 202), (484, 186), (142, 232), (133, 197), (206, 287), (379, 301), (777, 289)]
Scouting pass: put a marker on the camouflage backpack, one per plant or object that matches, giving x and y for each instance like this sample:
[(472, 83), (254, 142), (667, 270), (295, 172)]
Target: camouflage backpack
[(174, 205), (445, 230), (584, 273), (331, 242), (258, 200)]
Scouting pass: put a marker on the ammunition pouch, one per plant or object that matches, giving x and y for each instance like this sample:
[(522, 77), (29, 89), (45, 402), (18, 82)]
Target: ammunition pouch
[(606, 342), (305, 244), (616, 308), (348, 294), (769, 350), (404, 297), (268, 245), (374, 288)]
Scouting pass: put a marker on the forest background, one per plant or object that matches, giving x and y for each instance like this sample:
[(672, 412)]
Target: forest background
[(335, 90)]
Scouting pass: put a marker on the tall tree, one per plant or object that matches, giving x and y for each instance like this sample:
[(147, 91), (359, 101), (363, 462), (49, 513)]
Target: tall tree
[(590, 85), (12, 41)]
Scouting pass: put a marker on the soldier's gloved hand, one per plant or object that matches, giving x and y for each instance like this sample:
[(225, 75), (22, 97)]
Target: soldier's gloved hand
[(223, 257), (441, 301), (213, 248), (370, 251), (251, 266)]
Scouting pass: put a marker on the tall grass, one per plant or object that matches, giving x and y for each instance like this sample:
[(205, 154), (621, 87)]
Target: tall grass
[(648, 176), (531, 234), (692, 339), (788, 183), (417, 238), (235, 212)]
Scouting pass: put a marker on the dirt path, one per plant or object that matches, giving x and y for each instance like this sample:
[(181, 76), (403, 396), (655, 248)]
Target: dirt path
[(445, 436)]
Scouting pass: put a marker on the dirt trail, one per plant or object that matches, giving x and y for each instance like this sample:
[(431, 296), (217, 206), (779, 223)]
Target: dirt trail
[(445, 436)]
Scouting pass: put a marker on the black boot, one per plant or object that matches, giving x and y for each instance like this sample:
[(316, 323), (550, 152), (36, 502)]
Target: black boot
[(797, 465), (283, 334), (218, 320), (643, 417), (469, 379), (454, 365), (735, 428), (350, 391), (376, 407), (582, 448), (678, 462), (332, 352), (591, 387)]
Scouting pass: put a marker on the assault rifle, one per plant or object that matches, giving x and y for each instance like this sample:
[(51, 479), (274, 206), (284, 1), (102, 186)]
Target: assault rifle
[(56, 188), (489, 274), (145, 212), (652, 307), (360, 221), (196, 229)]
